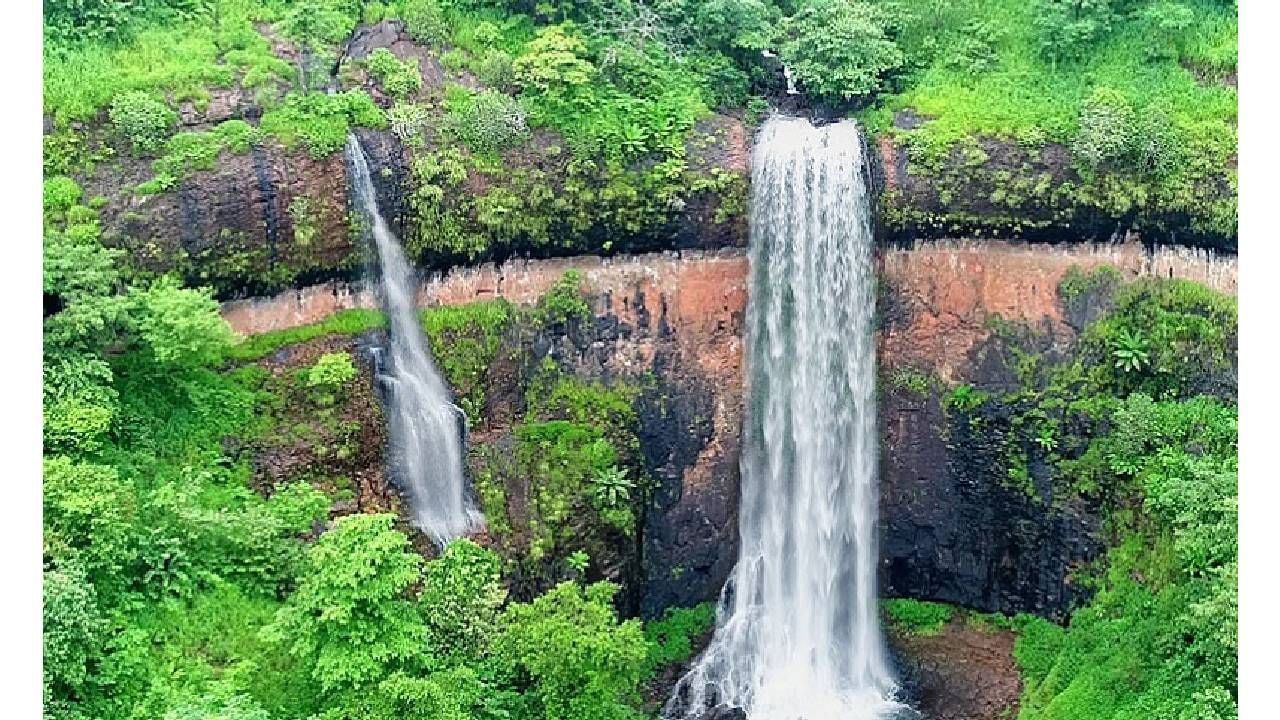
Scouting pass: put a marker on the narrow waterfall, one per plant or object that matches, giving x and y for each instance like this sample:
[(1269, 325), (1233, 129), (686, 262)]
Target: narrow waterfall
[(426, 428), (798, 634)]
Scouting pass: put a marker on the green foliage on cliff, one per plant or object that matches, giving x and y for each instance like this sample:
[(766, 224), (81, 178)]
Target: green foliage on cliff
[(673, 638), (1151, 136), (1142, 422), (840, 49), (322, 121), (578, 449), (464, 340)]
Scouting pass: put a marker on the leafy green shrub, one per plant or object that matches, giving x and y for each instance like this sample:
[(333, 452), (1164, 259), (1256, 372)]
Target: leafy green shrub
[(188, 152), (73, 629), (322, 121), (1108, 127), (672, 636), (598, 679), (553, 61), (425, 22), (1165, 22), (78, 20), (60, 194), (975, 48), (736, 26), (497, 69), (374, 12), (303, 218), (918, 616), (180, 326), (611, 488), (488, 121), (319, 23), (1066, 29), (399, 78), (218, 707), (462, 598), (79, 402), (143, 118), (465, 339), (840, 49), (331, 371), (349, 619), (563, 303), (408, 121)]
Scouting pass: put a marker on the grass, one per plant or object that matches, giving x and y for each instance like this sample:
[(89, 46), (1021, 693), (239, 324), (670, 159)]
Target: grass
[(917, 617), (181, 60), (1027, 97), (347, 322)]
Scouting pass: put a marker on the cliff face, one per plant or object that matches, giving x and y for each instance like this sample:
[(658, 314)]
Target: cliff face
[(273, 217), (670, 323), (951, 529)]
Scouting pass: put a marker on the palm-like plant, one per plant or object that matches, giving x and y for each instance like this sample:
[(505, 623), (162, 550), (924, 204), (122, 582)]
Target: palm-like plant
[(612, 487), (1130, 351)]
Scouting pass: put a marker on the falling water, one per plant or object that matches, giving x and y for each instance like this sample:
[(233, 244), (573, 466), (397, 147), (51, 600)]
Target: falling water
[(798, 636), (425, 426)]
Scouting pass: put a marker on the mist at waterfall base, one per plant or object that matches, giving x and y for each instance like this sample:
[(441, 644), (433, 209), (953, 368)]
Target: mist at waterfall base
[(798, 634), (425, 427)]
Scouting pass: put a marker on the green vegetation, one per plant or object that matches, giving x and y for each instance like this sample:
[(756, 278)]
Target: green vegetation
[(841, 49), (193, 567), (322, 121), (183, 582), (1141, 421), (592, 128), (346, 322), (917, 616), (143, 118), (672, 637), (1152, 136), (398, 78), (464, 340), (187, 152), (331, 371)]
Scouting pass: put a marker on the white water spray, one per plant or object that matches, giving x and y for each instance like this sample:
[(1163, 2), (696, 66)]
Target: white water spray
[(798, 635), (426, 428)]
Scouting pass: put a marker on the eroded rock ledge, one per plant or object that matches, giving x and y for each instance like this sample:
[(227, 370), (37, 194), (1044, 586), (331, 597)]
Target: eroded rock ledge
[(950, 531)]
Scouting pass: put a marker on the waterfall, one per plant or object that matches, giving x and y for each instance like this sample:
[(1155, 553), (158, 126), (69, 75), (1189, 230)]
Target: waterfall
[(798, 633), (426, 428)]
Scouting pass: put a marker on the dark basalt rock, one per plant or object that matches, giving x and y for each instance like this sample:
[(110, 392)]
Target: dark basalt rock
[(688, 550), (954, 530)]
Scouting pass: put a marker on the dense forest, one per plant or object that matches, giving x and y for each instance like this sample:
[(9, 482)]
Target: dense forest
[(184, 581)]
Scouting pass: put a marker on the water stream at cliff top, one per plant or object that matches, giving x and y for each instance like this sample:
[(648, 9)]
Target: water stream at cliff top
[(798, 634), (426, 429)]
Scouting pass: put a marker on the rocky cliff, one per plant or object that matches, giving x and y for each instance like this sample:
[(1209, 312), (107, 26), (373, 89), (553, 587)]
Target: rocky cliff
[(270, 216), (952, 529)]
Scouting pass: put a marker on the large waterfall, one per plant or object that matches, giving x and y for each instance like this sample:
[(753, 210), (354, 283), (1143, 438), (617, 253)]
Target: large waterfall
[(425, 426), (798, 634)]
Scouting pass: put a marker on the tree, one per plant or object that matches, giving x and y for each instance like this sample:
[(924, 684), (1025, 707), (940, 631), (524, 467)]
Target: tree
[(735, 27), (553, 61), (179, 326), (461, 600), (840, 49), (583, 663), (351, 616), (1067, 28), (88, 516), (73, 627)]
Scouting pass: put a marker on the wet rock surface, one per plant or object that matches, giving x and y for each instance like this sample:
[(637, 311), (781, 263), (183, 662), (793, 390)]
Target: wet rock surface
[(965, 672)]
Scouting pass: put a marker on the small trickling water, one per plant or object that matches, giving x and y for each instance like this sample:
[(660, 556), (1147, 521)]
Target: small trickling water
[(798, 635), (426, 428)]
